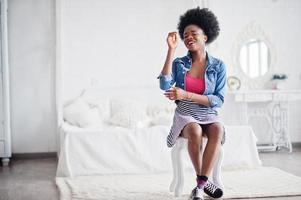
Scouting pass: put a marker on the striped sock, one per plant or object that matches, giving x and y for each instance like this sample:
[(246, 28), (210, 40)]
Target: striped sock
[(201, 181)]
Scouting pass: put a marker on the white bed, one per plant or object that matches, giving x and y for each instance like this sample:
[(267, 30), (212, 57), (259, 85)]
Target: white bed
[(129, 136)]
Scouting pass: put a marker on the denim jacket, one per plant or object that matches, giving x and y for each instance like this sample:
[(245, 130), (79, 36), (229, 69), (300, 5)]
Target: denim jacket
[(215, 78)]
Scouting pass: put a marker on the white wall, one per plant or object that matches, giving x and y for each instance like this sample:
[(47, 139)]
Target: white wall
[(31, 32), (280, 20), (113, 43)]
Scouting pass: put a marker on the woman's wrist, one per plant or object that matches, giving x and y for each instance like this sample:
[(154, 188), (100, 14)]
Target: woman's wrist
[(171, 50), (189, 96)]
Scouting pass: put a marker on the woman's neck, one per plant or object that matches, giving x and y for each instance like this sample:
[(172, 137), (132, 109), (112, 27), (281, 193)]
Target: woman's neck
[(199, 56)]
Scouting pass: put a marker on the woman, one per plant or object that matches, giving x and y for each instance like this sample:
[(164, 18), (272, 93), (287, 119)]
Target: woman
[(199, 89)]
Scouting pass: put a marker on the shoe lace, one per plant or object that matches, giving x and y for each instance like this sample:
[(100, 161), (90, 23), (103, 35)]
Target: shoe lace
[(211, 187)]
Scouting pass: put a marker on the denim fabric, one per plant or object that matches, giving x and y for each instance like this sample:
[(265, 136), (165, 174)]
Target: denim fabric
[(215, 78)]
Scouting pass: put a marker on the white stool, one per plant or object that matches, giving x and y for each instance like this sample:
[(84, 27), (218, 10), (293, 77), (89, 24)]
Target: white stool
[(177, 183)]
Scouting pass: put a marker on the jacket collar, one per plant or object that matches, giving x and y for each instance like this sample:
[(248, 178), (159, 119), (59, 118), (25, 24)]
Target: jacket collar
[(209, 58)]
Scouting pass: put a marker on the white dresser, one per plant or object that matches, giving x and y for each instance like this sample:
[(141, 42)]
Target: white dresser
[(5, 133), (273, 105)]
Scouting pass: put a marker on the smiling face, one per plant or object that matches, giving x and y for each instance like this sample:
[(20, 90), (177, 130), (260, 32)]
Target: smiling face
[(194, 38)]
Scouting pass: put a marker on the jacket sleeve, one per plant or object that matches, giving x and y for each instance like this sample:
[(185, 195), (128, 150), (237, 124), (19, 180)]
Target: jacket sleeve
[(217, 98), (167, 81)]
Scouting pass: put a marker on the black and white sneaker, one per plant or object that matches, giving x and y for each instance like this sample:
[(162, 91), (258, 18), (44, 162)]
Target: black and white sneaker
[(212, 190), (197, 194)]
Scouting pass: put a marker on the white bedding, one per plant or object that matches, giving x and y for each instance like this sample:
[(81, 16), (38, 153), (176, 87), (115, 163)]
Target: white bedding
[(112, 149)]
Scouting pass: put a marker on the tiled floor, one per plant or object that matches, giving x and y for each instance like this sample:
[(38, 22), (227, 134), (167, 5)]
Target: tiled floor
[(33, 179)]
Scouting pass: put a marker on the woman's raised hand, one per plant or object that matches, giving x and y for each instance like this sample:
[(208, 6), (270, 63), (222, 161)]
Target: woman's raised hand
[(172, 40)]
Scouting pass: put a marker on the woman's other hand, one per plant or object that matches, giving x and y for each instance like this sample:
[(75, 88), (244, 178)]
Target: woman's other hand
[(176, 93), (172, 40)]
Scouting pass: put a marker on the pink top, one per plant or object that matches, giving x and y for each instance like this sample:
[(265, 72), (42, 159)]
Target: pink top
[(195, 85)]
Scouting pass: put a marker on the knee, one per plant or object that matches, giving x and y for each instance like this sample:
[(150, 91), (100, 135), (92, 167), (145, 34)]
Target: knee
[(194, 132), (215, 132)]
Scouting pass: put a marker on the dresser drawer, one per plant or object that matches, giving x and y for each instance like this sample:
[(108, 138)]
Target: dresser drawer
[(1, 132), (2, 151)]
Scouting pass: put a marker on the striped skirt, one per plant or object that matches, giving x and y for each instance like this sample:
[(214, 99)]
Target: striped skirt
[(188, 112)]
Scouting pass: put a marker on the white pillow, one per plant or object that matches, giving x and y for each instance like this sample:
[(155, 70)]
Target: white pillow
[(101, 103), (162, 119), (154, 110), (128, 113), (79, 113)]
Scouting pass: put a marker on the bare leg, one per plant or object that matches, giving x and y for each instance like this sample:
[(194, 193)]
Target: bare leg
[(193, 132), (214, 133)]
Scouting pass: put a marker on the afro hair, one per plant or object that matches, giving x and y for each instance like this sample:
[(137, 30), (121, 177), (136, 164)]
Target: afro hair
[(204, 19)]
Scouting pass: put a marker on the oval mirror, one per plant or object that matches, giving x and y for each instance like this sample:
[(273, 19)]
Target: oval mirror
[(254, 58)]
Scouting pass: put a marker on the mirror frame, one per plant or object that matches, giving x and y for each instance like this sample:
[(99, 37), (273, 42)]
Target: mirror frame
[(252, 31)]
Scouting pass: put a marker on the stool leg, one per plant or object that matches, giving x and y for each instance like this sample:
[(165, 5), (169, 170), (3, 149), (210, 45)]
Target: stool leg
[(174, 157), (216, 176), (177, 183), (180, 171)]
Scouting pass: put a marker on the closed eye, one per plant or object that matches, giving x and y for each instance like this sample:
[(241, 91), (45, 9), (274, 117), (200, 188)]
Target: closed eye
[(193, 34)]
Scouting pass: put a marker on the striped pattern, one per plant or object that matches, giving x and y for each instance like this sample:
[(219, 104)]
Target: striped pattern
[(188, 112), (197, 111)]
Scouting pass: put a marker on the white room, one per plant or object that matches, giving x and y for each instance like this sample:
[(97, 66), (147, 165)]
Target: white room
[(81, 105)]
